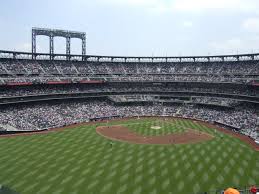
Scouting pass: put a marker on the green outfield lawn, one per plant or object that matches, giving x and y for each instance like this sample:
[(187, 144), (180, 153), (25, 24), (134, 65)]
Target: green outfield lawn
[(79, 161)]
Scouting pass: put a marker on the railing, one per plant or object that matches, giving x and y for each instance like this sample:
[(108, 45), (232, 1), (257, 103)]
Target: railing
[(120, 59)]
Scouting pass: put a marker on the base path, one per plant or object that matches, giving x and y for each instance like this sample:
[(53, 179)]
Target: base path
[(122, 133)]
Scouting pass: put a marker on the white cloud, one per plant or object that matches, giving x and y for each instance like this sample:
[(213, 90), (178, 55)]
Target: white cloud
[(206, 5), (187, 24), (145, 3), (156, 6), (192, 5), (251, 24)]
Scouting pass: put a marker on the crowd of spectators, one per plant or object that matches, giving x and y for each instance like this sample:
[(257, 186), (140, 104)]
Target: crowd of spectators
[(86, 88), (215, 101), (195, 100), (132, 98), (43, 116), (136, 77), (75, 67), (42, 71), (181, 78)]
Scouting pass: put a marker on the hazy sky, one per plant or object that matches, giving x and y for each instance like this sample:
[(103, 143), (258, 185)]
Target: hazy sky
[(135, 27)]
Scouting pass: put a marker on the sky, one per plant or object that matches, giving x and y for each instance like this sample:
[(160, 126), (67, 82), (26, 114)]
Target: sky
[(135, 27)]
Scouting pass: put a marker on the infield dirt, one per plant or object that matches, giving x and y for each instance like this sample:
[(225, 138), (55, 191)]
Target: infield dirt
[(122, 133)]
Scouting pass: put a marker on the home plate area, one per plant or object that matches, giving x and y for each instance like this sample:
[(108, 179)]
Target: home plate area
[(155, 127)]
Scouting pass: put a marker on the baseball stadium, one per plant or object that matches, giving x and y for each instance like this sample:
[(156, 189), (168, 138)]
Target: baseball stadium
[(125, 124), (135, 125)]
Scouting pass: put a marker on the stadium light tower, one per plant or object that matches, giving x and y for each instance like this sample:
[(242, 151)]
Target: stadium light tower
[(51, 33)]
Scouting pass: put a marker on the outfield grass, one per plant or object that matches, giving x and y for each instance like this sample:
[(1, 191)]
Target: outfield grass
[(79, 161)]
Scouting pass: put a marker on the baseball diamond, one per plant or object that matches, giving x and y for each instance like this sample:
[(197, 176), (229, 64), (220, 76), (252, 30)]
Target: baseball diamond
[(122, 133), (76, 159)]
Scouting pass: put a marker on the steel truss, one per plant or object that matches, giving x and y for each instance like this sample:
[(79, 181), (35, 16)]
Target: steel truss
[(51, 33)]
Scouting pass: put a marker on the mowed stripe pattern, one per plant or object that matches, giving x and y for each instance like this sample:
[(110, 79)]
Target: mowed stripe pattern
[(78, 160)]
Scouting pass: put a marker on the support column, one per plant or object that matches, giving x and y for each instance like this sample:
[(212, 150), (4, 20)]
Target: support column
[(68, 42), (33, 46), (83, 47), (51, 47)]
